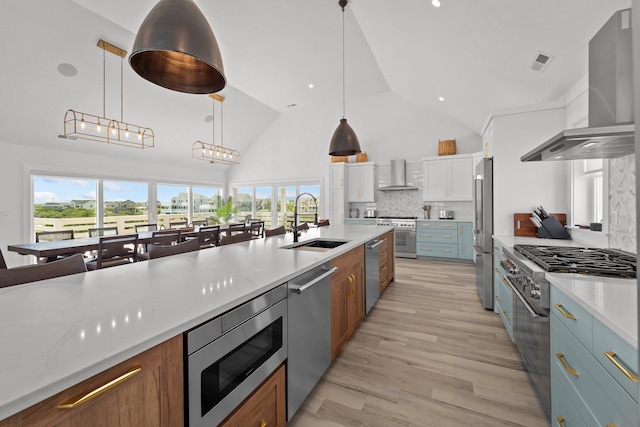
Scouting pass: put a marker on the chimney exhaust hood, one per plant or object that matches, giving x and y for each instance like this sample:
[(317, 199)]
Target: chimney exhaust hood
[(611, 129), (398, 177)]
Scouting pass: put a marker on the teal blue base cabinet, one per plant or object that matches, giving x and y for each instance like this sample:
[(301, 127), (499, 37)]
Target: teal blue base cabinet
[(445, 239), (593, 371), (503, 294)]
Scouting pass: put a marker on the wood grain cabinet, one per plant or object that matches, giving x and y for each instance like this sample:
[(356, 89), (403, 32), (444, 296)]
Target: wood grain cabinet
[(265, 407), (146, 390), (347, 297), (386, 261)]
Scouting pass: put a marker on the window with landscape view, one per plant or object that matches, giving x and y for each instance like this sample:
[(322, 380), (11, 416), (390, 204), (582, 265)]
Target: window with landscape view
[(125, 205), (63, 204)]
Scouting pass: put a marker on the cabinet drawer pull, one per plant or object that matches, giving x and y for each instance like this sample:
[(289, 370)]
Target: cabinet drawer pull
[(446, 225), (263, 423), (564, 312), (505, 281), (497, 271), (572, 371), (426, 235), (496, 248), (447, 250), (504, 256), (79, 400), (560, 421), (612, 357), (446, 236), (497, 298), (384, 267), (506, 316)]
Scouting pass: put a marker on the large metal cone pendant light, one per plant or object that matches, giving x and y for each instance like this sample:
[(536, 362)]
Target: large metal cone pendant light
[(344, 141)]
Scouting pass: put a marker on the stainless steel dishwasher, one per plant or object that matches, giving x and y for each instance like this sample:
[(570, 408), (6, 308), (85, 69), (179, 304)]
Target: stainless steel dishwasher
[(309, 333), (372, 273)]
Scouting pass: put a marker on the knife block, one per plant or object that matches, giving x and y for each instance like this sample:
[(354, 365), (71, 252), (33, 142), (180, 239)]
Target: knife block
[(552, 229)]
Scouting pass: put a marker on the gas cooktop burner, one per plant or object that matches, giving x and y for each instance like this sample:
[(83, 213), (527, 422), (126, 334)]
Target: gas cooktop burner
[(596, 262), (398, 217)]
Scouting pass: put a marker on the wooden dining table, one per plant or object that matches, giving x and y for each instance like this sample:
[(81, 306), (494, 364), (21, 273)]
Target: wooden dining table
[(57, 248)]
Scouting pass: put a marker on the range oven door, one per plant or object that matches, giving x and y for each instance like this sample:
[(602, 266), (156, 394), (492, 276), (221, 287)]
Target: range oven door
[(226, 370), (532, 335), (405, 242)]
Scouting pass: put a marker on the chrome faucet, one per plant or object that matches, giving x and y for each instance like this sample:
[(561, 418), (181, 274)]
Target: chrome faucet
[(295, 215)]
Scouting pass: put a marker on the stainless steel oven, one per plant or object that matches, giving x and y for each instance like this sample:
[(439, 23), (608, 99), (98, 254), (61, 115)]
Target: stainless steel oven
[(404, 234), (531, 323), (231, 355)]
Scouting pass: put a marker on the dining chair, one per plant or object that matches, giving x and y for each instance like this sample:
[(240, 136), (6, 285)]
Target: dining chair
[(52, 236), (115, 250), (178, 224), (275, 231), (235, 229), (323, 223), (32, 273), (242, 237), (199, 222), (209, 236), (159, 251), (144, 228), (160, 237), (103, 231), (256, 229), (3, 264)]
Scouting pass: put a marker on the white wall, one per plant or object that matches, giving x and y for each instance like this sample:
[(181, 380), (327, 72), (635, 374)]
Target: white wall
[(18, 162), (389, 127), (518, 187)]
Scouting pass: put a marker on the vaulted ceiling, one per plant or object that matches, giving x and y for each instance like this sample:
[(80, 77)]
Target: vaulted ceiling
[(476, 54)]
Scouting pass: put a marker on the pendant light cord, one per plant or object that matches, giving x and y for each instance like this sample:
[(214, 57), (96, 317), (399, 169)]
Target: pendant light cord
[(213, 122), (343, 68), (104, 84), (121, 91), (222, 125)]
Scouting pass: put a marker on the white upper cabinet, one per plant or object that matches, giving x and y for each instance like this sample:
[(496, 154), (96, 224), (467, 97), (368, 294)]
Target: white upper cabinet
[(337, 175), (361, 179), (448, 178)]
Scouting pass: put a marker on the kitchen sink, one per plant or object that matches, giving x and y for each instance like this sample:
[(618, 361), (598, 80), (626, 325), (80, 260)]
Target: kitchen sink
[(319, 245)]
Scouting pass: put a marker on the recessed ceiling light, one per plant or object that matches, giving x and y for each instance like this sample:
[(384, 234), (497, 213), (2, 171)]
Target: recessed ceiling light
[(67, 70), (310, 85), (208, 119), (441, 99), (436, 3)]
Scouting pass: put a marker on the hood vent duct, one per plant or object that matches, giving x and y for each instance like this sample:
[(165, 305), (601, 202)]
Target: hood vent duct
[(611, 131), (398, 177)]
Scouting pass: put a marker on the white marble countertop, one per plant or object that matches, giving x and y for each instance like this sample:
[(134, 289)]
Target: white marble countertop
[(58, 332), (445, 220), (612, 301)]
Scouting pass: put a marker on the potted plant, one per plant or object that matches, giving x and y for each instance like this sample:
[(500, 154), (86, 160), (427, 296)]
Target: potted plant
[(224, 210)]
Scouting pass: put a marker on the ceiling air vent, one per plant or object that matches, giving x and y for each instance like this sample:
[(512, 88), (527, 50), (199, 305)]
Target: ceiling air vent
[(541, 62)]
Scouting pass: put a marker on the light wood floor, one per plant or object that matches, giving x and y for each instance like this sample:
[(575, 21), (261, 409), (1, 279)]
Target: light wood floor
[(427, 355)]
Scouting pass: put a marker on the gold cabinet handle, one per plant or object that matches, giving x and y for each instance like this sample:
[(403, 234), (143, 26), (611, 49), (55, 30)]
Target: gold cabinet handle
[(263, 423), (612, 357), (497, 298), (446, 236), (447, 250), (496, 248), (80, 399), (497, 271), (446, 225), (506, 316), (504, 256), (384, 267), (560, 421), (564, 312), (505, 281), (426, 235), (572, 371)]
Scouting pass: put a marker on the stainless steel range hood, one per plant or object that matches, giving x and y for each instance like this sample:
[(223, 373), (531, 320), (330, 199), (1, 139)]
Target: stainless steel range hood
[(611, 129), (398, 177)]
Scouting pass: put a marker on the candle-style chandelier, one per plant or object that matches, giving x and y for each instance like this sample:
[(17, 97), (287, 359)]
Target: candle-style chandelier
[(79, 125), (211, 152)]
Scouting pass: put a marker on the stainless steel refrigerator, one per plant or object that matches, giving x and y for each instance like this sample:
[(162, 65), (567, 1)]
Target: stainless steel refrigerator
[(483, 230)]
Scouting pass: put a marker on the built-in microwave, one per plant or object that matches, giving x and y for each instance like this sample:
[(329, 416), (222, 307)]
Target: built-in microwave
[(228, 357)]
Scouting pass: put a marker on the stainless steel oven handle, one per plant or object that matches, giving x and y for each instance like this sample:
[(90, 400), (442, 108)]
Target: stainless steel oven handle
[(521, 298), (301, 288)]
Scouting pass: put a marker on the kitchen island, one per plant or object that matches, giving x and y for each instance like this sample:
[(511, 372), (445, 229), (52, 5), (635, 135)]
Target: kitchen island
[(59, 332)]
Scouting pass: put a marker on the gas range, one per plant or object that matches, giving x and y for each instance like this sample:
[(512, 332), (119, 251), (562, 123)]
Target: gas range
[(398, 221), (587, 261)]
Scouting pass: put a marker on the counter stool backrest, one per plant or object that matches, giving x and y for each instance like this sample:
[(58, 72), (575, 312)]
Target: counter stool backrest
[(165, 237), (235, 228), (104, 231), (117, 250), (275, 231), (54, 236), (31, 273), (256, 228), (3, 264), (158, 251), (242, 237), (199, 222), (209, 236)]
